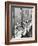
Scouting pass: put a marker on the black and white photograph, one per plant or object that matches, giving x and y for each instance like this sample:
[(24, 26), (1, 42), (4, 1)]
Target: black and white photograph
[(21, 22)]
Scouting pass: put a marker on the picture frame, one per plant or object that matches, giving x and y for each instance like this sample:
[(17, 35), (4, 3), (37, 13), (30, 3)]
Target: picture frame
[(20, 18)]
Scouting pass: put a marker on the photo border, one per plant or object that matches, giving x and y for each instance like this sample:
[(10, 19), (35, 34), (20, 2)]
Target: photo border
[(7, 3)]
